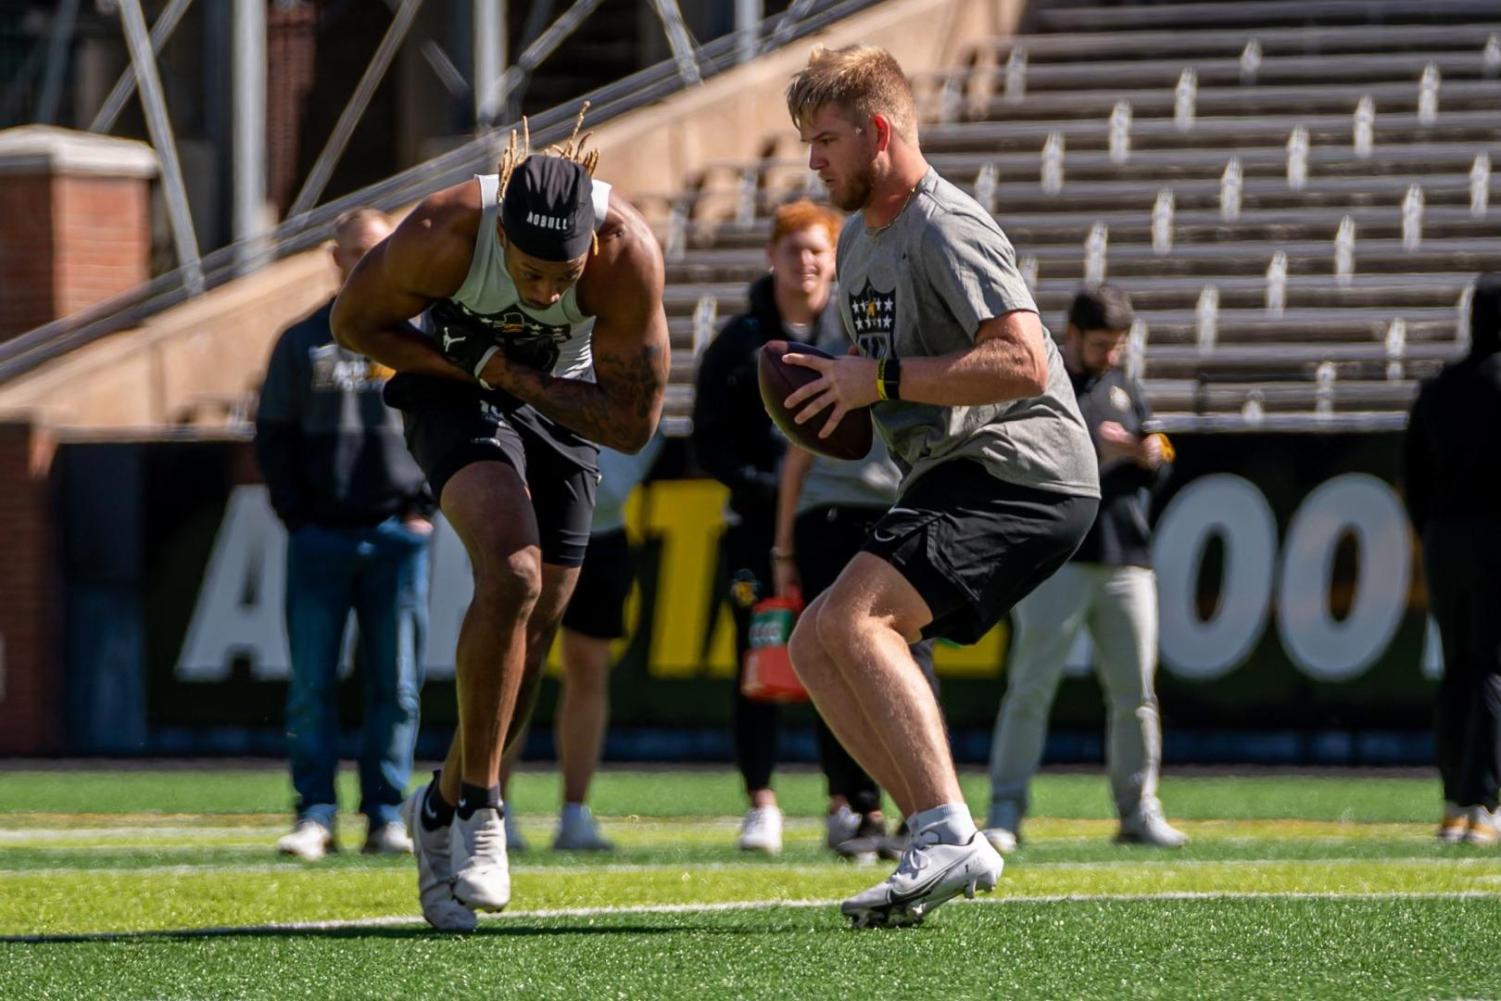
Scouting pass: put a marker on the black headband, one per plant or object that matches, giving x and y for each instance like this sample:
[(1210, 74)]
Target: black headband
[(547, 208)]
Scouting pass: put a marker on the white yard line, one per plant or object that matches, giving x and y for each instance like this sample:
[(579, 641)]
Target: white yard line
[(290, 867), (403, 921)]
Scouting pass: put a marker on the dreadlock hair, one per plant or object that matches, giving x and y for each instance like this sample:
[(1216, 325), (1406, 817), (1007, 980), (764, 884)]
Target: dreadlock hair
[(516, 152)]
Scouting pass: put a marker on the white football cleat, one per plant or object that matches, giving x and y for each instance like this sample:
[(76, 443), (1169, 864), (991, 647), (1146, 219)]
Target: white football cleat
[(481, 871), (578, 831), (309, 841), (929, 874), (1147, 826), (761, 830), (434, 873)]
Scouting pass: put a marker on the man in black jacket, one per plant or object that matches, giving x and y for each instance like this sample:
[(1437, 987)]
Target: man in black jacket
[(737, 444), (356, 510), (1107, 587), (1452, 479)]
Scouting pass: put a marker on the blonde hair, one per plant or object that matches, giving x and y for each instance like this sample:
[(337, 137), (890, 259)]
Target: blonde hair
[(794, 217), (861, 81), (517, 151)]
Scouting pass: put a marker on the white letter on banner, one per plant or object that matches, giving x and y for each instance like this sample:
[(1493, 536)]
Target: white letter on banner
[(451, 588), (239, 607), (1321, 647), (1234, 509)]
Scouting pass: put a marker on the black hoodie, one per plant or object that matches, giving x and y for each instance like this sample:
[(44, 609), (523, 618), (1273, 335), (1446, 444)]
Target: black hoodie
[(1452, 453), (734, 439)]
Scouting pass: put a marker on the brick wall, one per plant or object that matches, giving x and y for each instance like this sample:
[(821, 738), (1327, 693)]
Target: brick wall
[(103, 239), (31, 679), (75, 222), (25, 253)]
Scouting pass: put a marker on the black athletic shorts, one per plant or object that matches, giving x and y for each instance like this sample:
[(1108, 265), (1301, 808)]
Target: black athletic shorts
[(597, 607), (450, 425), (973, 545)]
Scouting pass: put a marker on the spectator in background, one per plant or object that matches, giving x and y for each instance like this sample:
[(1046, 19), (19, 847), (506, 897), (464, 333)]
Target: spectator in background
[(1452, 479), (595, 617), (825, 509), (737, 444), (356, 512), (1108, 587)]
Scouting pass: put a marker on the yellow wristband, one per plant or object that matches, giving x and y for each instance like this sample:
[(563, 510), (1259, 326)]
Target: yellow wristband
[(880, 378)]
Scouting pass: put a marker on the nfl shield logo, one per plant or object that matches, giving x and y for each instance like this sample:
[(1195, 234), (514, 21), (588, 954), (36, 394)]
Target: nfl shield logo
[(873, 317)]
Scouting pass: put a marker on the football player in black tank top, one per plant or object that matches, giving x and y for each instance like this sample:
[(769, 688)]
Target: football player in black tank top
[(520, 505)]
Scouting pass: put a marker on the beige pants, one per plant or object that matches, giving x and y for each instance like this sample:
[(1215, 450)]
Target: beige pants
[(1118, 605)]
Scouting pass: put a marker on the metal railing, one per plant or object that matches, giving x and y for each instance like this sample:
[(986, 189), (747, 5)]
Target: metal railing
[(128, 309)]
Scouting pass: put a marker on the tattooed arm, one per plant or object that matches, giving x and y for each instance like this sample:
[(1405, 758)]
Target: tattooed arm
[(622, 288)]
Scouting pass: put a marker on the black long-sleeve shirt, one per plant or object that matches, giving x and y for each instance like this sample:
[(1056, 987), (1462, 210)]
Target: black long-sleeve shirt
[(331, 451), (1121, 534), (733, 437), (1452, 451)]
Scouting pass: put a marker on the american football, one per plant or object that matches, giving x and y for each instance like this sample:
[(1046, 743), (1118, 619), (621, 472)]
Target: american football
[(779, 380)]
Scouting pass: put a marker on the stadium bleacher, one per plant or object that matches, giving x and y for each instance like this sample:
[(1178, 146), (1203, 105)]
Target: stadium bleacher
[(1203, 83)]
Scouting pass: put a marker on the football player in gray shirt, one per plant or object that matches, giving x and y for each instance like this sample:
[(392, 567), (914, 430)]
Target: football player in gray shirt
[(999, 478)]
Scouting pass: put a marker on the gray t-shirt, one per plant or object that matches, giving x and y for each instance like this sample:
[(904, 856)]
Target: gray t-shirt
[(868, 482), (922, 286)]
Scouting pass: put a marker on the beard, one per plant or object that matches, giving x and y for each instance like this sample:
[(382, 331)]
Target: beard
[(855, 193)]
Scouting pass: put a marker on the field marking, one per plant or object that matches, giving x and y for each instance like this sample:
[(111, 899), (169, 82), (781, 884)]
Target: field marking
[(290, 867), (405, 920)]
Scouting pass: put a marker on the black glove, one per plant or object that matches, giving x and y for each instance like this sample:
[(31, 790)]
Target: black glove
[(463, 339)]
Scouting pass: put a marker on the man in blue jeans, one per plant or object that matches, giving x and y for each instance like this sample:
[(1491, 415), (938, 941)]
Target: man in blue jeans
[(356, 510)]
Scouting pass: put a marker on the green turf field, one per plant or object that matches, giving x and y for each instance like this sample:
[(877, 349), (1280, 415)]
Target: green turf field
[(162, 884)]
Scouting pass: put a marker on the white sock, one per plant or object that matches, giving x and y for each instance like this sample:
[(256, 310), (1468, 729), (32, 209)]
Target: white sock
[(951, 823), (575, 813)]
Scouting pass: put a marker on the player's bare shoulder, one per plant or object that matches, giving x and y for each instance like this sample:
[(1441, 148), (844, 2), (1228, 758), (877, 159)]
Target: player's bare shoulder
[(431, 250), (627, 264)]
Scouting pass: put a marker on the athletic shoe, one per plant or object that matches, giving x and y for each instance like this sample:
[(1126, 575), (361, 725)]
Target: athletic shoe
[(1003, 824), (1147, 826), (840, 826), (867, 843), (309, 841), (929, 875), (515, 840), (1484, 827), (1451, 830), (761, 831), (387, 839), (1000, 839), (434, 870), (481, 872), (578, 831)]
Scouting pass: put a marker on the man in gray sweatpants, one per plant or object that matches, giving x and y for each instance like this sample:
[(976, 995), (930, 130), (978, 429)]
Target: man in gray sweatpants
[(1108, 587)]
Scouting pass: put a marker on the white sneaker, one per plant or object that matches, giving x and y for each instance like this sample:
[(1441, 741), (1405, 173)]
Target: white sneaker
[(761, 830), (481, 872), (578, 831), (1484, 827), (1147, 826), (387, 839), (434, 870), (309, 841), (1001, 839), (928, 875)]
